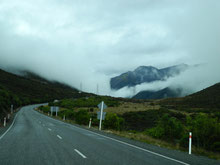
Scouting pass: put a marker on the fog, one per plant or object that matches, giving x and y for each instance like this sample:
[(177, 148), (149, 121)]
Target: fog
[(89, 42)]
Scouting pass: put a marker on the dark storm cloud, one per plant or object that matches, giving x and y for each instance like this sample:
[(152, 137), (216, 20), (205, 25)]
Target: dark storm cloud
[(90, 41)]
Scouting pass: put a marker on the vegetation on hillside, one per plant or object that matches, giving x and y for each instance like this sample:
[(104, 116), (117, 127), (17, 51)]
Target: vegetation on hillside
[(208, 98), (91, 102), (19, 91)]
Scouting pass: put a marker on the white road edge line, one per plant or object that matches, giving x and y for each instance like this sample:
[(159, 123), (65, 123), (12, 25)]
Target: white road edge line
[(59, 136), (154, 153), (49, 129), (80, 153), (9, 127)]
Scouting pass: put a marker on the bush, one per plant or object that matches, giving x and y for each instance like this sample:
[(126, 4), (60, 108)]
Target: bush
[(168, 128), (216, 147), (69, 114), (112, 121), (206, 131), (82, 117), (184, 141)]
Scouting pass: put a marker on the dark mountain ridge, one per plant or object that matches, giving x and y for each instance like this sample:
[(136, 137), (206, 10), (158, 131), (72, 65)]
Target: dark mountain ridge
[(145, 74), (160, 94)]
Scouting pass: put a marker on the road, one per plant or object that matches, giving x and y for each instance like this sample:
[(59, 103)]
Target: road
[(36, 139)]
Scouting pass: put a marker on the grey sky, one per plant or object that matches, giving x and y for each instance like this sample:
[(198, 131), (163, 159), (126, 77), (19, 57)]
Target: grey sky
[(90, 41)]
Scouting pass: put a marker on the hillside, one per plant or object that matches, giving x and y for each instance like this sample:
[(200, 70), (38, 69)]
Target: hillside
[(30, 89), (207, 98), (163, 93)]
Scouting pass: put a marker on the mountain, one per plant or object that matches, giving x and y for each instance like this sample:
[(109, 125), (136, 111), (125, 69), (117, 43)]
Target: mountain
[(145, 74), (206, 98), (29, 89), (160, 94)]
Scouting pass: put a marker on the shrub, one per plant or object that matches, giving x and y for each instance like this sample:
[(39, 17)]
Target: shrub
[(82, 117), (168, 128), (112, 121), (206, 131)]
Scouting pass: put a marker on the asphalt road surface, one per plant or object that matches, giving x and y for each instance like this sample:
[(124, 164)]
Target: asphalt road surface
[(36, 139)]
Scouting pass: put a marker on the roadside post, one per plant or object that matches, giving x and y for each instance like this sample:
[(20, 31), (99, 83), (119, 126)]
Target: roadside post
[(51, 111), (12, 107), (90, 122), (190, 143), (56, 111), (101, 115), (8, 116), (64, 118), (4, 121)]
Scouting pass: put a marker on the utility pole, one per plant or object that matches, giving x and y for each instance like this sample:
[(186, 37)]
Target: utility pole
[(97, 89), (81, 87)]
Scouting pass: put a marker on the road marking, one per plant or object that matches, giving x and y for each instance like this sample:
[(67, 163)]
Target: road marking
[(49, 129), (59, 136), (80, 153), (154, 153), (8, 128)]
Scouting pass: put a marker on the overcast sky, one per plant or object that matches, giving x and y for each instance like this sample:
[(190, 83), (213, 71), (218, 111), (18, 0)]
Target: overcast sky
[(90, 41)]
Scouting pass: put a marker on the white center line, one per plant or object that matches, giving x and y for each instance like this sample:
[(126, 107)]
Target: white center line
[(80, 153), (49, 129), (59, 136)]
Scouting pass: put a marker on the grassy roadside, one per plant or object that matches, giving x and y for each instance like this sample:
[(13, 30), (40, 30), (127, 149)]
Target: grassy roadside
[(143, 137), (139, 136)]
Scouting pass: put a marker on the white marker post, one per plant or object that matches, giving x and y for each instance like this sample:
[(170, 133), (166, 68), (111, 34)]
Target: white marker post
[(100, 122), (56, 111), (190, 143), (64, 118), (51, 111), (12, 109), (90, 122), (4, 121), (8, 116)]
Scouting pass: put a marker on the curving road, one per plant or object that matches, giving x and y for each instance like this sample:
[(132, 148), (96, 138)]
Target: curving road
[(35, 139)]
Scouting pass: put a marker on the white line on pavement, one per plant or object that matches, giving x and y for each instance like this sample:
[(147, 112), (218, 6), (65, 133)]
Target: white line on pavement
[(154, 153), (49, 129), (59, 136), (9, 128), (80, 153)]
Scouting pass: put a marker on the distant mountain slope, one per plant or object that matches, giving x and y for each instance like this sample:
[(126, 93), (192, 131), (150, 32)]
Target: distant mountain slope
[(206, 98), (145, 74), (164, 93), (30, 89)]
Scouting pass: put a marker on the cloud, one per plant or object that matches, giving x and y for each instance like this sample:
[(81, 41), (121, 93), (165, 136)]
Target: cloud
[(92, 41)]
